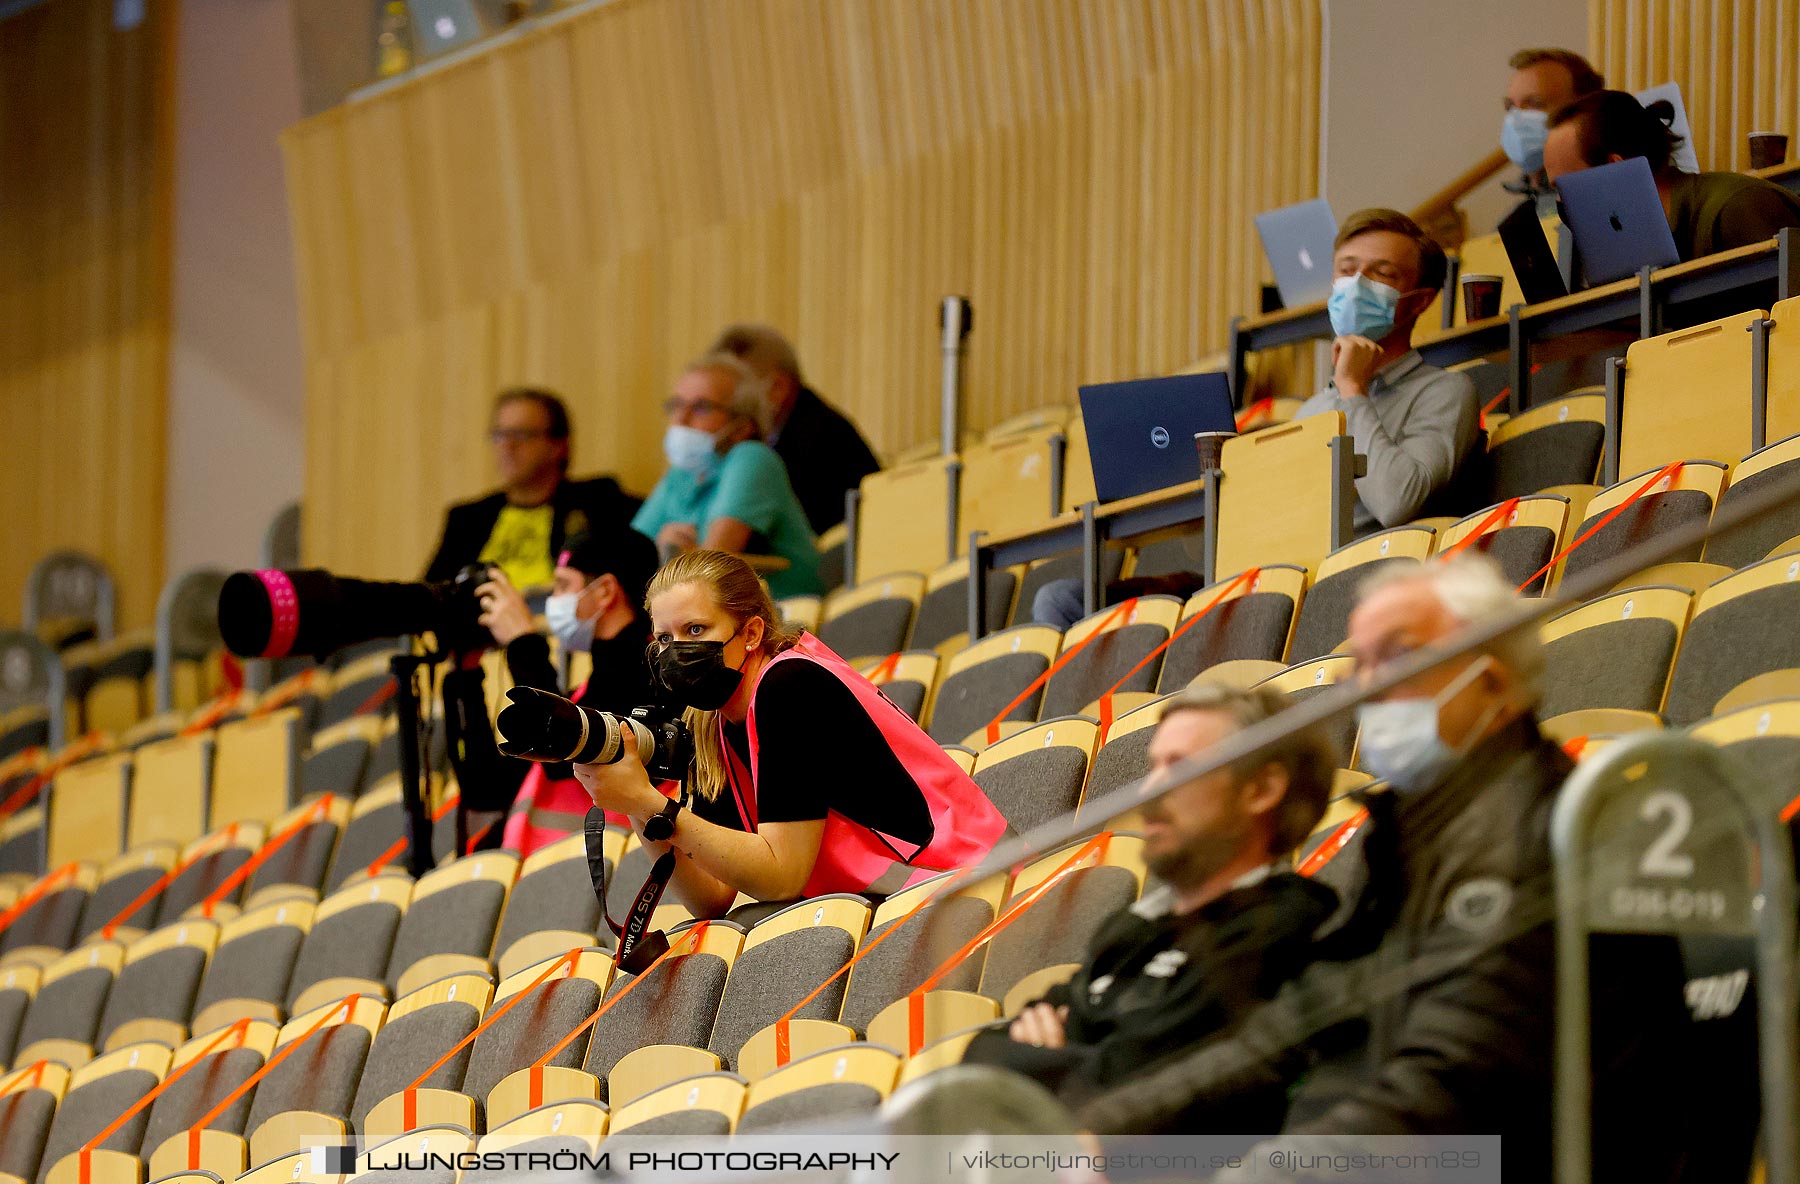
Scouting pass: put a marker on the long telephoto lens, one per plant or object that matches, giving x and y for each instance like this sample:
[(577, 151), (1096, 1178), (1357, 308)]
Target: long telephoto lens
[(539, 726)]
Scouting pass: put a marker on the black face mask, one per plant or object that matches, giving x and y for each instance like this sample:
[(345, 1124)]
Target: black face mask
[(694, 674)]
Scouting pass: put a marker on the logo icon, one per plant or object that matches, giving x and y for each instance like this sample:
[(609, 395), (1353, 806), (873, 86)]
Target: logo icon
[(446, 28), (1159, 436), (334, 1160), (1306, 258), (1616, 224)]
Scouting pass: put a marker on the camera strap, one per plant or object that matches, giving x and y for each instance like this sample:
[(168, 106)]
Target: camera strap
[(638, 944)]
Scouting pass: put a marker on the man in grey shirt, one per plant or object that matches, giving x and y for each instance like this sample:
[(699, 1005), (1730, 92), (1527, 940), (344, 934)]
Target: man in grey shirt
[(1416, 424)]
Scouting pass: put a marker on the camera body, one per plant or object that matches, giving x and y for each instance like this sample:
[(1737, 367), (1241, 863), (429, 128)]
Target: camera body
[(671, 742), (274, 614), (539, 726)]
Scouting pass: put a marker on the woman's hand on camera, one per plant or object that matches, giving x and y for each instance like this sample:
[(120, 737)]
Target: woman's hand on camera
[(622, 787), (503, 610)]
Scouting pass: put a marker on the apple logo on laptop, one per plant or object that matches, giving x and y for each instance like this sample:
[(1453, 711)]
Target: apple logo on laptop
[(1306, 258), (1616, 224), (1159, 436), (446, 28)]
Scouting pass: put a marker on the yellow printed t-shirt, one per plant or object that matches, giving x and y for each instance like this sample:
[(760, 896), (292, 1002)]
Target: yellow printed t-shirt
[(520, 545)]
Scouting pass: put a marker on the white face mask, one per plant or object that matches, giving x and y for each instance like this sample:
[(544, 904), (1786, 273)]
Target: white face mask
[(566, 624), (1400, 743)]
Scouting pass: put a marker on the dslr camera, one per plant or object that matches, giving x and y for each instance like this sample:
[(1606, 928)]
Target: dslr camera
[(539, 726), (273, 614)]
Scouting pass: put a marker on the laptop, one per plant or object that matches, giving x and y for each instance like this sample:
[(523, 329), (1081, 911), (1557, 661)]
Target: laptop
[(1528, 250), (1617, 219), (1141, 434), (440, 26), (1297, 239)]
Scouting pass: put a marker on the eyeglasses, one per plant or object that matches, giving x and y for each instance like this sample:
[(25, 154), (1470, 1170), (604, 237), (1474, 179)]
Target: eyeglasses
[(515, 435), (673, 407)]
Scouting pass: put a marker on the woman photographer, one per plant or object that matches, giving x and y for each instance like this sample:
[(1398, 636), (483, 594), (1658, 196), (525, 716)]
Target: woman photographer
[(593, 608), (806, 779)]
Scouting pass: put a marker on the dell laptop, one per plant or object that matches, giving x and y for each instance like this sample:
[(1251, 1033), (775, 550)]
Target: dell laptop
[(1617, 218), (1298, 241), (1141, 434), (1528, 250)]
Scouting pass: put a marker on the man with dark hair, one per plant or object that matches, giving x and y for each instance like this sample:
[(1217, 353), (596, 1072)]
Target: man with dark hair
[(522, 527), (825, 455), (1228, 924), (1543, 82), (1415, 423), (1708, 212)]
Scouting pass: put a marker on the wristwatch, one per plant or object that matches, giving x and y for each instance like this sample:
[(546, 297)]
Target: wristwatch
[(660, 826)]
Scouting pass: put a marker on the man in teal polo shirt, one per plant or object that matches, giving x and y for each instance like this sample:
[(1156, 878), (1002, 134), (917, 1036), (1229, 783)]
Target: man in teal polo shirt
[(725, 489)]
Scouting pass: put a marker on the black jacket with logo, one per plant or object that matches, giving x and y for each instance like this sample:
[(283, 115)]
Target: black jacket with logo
[(577, 505), (1157, 982)]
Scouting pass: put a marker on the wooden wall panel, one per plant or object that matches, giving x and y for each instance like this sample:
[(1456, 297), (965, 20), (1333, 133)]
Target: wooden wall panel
[(584, 206), (1738, 63), (85, 119)]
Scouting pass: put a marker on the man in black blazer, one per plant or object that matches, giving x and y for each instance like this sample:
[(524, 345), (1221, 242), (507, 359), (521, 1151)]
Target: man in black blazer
[(524, 525), (824, 453)]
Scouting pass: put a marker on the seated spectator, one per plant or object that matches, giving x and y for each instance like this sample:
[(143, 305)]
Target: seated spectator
[(523, 527), (807, 780), (826, 456), (1543, 82), (1430, 1008), (1415, 424), (595, 607), (1228, 923), (725, 489), (1708, 212)]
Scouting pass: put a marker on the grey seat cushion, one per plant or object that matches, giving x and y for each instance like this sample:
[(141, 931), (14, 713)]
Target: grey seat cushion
[(69, 1008), (1036, 786), (459, 920), (350, 944), (14, 1002), (1325, 614), (337, 769), (25, 1117), (768, 980), (1119, 762), (256, 965), (406, 1047), (200, 1089), (944, 613), (560, 896), (1559, 454), (160, 987), (970, 698), (814, 1104), (1103, 662), (1652, 517), (1620, 664), (903, 961), (532, 1027), (1244, 627), (91, 1108), (301, 860), (200, 878), (116, 895), (365, 839), (1739, 639), (676, 1005), (684, 1123), (51, 922), (871, 630), (1058, 928), (320, 1076), (1753, 540)]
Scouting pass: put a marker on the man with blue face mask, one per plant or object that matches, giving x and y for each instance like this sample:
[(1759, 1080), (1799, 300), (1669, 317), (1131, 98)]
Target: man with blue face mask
[(725, 489), (596, 607), (1430, 1007), (1543, 82), (1415, 423)]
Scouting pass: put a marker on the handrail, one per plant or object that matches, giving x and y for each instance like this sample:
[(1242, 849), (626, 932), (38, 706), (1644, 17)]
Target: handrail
[(1445, 199)]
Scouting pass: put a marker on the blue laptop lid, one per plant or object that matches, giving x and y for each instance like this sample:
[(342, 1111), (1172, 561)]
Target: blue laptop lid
[(1141, 434), (1297, 240), (1618, 220)]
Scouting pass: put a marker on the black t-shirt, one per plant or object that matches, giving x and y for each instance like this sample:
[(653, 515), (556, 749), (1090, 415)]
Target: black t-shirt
[(821, 752)]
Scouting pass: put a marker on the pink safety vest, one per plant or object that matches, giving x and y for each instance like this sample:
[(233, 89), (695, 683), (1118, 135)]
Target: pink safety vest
[(853, 858)]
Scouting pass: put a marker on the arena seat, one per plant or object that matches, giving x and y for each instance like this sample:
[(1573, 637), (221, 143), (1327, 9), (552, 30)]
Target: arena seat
[(353, 687), (449, 924), (903, 523), (830, 1084), (557, 1129), (674, 1008), (297, 868), (1741, 627), (979, 682), (907, 680), (872, 619), (248, 973), (943, 620), (202, 1088), (41, 933), (1124, 757), (1324, 616), (1679, 499), (1038, 774), (1061, 567), (1769, 533), (551, 908), (289, 1169), (18, 985), (1278, 494), (348, 945), (1009, 482), (918, 944), (1522, 543), (800, 612), (705, 1105), (170, 784), (206, 863), (1546, 448), (1305, 679), (784, 957), (1062, 922), (99, 1092), (123, 880), (1114, 643), (1252, 622), (340, 757), (436, 1144), (29, 1097), (542, 1017), (153, 993), (421, 1028), (831, 557), (256, 768), (22, 842), (1765, 737), (1613, 653), (312, 1092), (85, 819), (1687, 395)]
